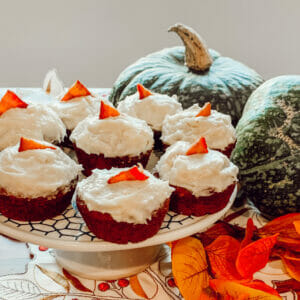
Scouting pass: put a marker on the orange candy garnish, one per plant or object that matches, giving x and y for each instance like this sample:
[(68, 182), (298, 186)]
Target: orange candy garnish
[(198, 148), (107, 111), (26, 144), (143, 92), (129, 175), (205, 110), (11, 100), (76, 90)]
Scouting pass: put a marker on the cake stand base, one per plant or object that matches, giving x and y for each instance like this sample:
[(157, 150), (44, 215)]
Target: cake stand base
[(108, 265)]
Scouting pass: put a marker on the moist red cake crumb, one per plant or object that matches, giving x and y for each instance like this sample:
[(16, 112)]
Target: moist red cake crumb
[(99, 161), (185, 203), (106, 228)]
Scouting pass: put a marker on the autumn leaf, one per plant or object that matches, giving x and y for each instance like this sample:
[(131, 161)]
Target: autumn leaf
[(234, 290), (136, 287), (56, 277), (248, 234), (254, 256), (284, 225), (260, 285), (222, 254), (291, 263), (189, 267), (75, 282)]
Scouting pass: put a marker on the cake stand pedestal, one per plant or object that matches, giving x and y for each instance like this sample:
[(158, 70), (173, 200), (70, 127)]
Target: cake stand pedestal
[(80, 252)]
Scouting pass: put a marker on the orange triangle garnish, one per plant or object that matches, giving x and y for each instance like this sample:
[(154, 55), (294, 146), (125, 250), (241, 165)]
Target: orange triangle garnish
[(107, 111), (11, 100), (26, 144), (198, 148), (76, 90), (143, 92), (129, 175), (205, 110)]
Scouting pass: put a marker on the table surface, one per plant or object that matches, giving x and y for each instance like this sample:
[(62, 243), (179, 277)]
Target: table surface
[(29, 271)]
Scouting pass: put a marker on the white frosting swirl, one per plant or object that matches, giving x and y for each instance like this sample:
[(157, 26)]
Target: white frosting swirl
[(126, 201), (37, 121), (115, 136), (185, 126), (35, 173), (153, 109), (201, 174)]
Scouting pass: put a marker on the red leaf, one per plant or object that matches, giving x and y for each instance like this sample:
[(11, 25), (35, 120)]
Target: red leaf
[(76, 90), (255, 256), (291, 263), (248, 234), (75, 282), (107, 111), (205, 110), (129, 175), (26, 144), (11, 100), (222, 254), (198, 148), (143, 92), (260, 285)]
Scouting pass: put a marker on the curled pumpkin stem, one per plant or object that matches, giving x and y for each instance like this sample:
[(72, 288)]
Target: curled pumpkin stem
[(197, 57)]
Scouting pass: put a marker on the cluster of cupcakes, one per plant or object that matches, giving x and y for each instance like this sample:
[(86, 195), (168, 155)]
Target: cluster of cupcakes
[(113, 146)]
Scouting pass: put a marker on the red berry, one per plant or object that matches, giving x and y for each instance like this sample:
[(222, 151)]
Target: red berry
[(171, 282), (123, 282), (103, 286), (42, 248)]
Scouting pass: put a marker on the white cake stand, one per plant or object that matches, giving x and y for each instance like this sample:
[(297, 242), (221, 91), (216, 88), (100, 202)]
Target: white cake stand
[(81, 253)]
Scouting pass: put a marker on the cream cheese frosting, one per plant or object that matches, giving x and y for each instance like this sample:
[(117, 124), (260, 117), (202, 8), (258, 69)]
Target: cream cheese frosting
[(153, 109), (115, 136), (35, 173), (37, 121), (185, 126), (126, 201), (201, 174)]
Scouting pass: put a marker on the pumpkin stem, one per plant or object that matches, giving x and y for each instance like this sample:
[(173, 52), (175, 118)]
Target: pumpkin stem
[(197, 57)]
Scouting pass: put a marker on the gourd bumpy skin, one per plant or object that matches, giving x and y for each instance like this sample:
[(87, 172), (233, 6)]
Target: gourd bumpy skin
[(227, 84), (268, 146)]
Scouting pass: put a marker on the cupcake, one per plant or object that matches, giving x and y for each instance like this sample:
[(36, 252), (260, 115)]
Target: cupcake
[(111, 140), (193, 122), (37, 121), (203, 179), (37, 180), (150, 107), (123, 205)]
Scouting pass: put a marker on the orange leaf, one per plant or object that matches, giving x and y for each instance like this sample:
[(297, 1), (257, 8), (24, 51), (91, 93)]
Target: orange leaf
[(136, 287), (143, 92), (260, 285), (76, 90), (75, 282), (129, 175), (284, 225), (291, 263), (26, 144), (189, 267), (107, 111), (11, 100), (255, 256), (297, 225), (234, 290), (205, 110), (222, 254), (248, 234), (198, 148)]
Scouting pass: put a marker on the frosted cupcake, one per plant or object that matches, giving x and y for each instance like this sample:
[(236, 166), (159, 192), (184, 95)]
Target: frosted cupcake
[(123, 205), (36, 121), (112, 140), (150, 107), (203, 179), (193, 122), (37, 180)]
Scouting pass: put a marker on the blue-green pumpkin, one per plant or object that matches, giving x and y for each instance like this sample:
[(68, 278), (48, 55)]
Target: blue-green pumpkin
[(268, 146), (194, 73)]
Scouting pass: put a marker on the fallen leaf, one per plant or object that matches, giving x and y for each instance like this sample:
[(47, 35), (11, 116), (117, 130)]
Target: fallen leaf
[(75, 282), (136, 287), (234, 290), (260, 285), (189, 267), (254, 256), (291, 263), (56, 277), (248, 234), (222, 254)]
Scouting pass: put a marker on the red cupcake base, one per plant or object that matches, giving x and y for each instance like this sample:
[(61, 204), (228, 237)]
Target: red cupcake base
[(228, 150), (99, 161), (185, 203), (35, 209), (106, 228)]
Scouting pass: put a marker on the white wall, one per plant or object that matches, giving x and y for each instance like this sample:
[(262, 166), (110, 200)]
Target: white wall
[(94, 40)]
